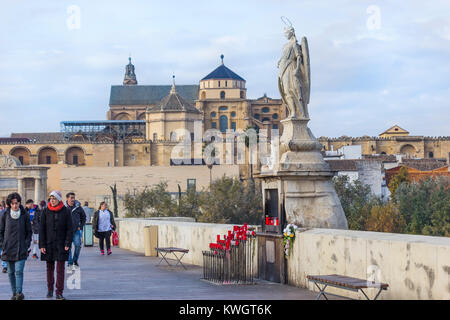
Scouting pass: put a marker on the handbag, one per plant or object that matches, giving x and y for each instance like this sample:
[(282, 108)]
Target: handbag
[(115, 238)]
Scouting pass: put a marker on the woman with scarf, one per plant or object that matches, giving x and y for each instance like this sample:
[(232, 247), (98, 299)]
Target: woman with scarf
[(15, 239), (55, 239)]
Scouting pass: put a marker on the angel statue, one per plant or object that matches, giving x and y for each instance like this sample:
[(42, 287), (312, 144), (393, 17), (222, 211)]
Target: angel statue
[(294, 74)]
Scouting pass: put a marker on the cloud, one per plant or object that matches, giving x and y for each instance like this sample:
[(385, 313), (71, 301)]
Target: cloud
[(363, 81)]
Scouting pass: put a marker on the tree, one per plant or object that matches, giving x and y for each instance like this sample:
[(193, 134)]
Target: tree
[(356, 199), (114, 194), (425, 206), (231, 201), (398, 179), (154, 202), (385, 218)]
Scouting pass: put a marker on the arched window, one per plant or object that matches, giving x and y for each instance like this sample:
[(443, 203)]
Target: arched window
[(47, 155), (75, 156), (223, 123), (23, 154), (203, 95), (265, 109), (242, 95), (213, 114), (430, 154), (233, 114), (222, 94)]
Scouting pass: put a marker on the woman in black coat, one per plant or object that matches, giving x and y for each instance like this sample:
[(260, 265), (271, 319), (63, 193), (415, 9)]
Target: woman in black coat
[(55, 239), (15, 239)]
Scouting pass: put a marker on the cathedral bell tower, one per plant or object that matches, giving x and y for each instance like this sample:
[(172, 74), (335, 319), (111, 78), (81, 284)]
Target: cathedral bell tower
[(130, 76)]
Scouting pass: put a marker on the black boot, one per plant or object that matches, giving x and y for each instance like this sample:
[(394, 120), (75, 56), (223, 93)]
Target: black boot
[(14, 297), (60, 297), (49, 294), (20, 296)]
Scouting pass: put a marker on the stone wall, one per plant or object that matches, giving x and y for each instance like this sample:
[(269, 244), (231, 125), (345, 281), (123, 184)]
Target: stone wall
[(91, 182), (415, 267), (189, 235)]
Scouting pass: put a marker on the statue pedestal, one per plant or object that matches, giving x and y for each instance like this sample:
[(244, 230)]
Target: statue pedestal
[(302, 178)]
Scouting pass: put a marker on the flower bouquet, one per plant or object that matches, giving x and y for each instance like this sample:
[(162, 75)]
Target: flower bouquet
[(288, 238)]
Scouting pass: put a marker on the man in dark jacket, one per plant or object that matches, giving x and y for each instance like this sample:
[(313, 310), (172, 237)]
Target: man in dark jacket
[(35, 217), (78, 221), (55, 239), (15, 238)]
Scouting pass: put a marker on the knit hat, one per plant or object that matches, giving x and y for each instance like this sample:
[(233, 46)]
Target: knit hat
[(57, 194)]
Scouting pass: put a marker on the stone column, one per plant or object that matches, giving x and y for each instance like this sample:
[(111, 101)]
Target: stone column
[(20, 187), (44, 189), (37, 190)]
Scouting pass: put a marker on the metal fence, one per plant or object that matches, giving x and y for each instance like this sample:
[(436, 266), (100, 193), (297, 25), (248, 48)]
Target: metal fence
[(232, 266)]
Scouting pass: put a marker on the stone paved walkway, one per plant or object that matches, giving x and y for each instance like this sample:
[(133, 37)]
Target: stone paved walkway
[(128, 275)]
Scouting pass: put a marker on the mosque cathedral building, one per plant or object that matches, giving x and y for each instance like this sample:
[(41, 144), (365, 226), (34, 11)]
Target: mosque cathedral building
[(142, 122)]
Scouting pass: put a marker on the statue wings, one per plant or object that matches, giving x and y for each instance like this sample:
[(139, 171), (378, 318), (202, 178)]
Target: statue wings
[(305, 71)]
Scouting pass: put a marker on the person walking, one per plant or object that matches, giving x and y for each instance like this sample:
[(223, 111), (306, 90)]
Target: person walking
[(2, 211), (103, 224), (78, 222), (15, 239), (88, 211), (35, 217), (55, 239), (42, 205)]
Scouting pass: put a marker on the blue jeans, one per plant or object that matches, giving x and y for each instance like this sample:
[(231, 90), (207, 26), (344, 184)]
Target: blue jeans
[(15, 274), (77, 244), (4, 264)]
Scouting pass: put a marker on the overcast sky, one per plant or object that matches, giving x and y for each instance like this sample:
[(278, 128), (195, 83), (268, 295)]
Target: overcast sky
[(374, 63)]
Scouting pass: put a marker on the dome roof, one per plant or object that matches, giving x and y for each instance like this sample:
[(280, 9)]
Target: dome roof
[(222, 72)]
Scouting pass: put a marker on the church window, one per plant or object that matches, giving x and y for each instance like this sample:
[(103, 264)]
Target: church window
[(233, 114), (48, 159), (265, 119), (275, 126), (265, 109), (222, 94), (213, 114), (219, 83), (233, 126), (223, 108), (242, 95), (256, 116), (275, 116), (431, 154), (132, 157), (213, 125), (226, 83), (223, 123)]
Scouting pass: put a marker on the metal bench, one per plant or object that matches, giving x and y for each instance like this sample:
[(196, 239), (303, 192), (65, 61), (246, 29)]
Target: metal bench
[(344, 282), (165, 251)]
